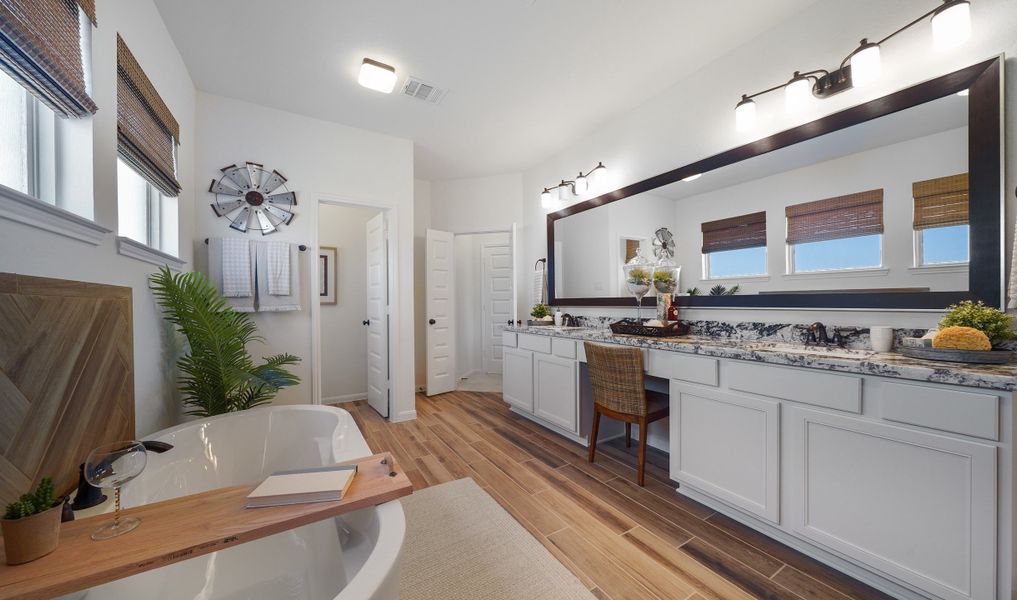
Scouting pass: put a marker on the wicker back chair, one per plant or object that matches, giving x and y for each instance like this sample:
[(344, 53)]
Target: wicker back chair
[(619, 392)]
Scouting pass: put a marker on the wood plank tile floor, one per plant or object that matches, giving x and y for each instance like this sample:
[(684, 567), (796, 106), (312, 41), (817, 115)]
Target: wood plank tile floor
[(622, 541)]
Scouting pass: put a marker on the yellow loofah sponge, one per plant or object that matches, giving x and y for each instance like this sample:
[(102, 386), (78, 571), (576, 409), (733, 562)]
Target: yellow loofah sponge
[(961, 338)]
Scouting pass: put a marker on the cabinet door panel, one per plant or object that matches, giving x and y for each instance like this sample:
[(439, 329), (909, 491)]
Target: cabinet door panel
[(517, 379), (727, 446), (918, 506), (555, 398)]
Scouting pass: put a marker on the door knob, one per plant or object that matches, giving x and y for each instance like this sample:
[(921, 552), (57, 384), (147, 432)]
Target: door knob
[(431, 321), (366, 323)]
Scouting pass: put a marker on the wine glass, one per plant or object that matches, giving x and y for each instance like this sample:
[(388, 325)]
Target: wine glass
[(638, 277), (111, 466)]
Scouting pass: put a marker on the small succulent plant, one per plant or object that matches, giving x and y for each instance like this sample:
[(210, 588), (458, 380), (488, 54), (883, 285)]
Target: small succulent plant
[(32, 504), (639, 276), (664, 281)]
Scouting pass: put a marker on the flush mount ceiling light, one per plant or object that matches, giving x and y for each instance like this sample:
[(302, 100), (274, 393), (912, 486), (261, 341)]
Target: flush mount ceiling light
[(583, 183), (377, 76), (692, 177), (951, 27)]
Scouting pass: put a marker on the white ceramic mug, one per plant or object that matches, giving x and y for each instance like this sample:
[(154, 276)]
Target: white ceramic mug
[(881, 338)]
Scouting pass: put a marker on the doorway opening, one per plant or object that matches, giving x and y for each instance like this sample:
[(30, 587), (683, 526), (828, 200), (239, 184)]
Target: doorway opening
[(470, 300), (353, 305)]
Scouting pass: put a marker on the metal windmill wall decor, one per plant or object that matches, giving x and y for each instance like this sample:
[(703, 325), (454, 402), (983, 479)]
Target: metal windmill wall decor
[(253, 198)]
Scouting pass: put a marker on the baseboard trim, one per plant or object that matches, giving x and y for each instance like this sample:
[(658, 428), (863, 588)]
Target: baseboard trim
[(407, 415), (344, 398)]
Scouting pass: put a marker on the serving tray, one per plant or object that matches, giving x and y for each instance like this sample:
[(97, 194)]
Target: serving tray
[(980, 357), (633, 327)]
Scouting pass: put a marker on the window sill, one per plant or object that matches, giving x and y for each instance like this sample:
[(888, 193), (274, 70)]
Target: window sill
[(22, 208), (739, 278), (840, 274), (941, 268), (138, 251)]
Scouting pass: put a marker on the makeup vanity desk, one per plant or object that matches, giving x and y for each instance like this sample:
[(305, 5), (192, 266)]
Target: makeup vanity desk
[(896, 471)]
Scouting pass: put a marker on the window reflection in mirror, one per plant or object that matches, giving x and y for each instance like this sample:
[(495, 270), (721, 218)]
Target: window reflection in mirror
[(881, 205)]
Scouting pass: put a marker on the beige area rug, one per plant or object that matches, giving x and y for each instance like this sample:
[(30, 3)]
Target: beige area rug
[(461, 545)]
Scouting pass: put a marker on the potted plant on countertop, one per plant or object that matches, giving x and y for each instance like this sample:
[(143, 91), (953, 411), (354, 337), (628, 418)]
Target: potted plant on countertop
[(219, 375), (541, 315), (994, 323), (31, 525)]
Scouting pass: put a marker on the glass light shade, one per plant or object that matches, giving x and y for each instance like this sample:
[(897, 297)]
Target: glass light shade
[(545, 199), (564, 192), (797, 94), (582, 184), (596, 177), (377, 76), (745, 115), (866, 65), (951, 26)]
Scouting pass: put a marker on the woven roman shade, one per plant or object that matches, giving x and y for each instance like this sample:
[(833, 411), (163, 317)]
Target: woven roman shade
[(734, 233), (847, 216), (40, 47), (147, 133), (941, 202)]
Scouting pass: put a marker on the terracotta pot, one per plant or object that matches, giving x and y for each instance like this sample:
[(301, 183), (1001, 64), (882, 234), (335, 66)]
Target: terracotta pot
[(31, 537)]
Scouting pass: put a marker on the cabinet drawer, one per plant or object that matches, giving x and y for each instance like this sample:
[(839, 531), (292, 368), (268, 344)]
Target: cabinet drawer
[(537, 343), (563, 348), (841, 392), (966, 413), (672, 365), (508, 339)]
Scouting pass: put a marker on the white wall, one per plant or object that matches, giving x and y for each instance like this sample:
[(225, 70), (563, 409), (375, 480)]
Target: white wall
[(34, 252), (695, 118), (475, 205), (421, 222), (320, 159), (343, 335)]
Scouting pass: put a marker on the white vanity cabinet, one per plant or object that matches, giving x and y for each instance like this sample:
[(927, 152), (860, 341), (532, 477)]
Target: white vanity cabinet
[(916, 505), (541, 380), (517, 378), (727, 445), (554, 391)]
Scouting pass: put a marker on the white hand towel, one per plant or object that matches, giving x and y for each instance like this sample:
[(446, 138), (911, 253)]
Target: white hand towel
[(1013, 274), (266, 301), (278, 254), (215, 275), (236, 268)]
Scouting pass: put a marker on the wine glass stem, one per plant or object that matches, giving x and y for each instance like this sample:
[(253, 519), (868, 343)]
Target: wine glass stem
[(639, 310), (116, 511)]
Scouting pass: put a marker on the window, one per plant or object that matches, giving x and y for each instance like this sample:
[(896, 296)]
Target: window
[(836, 234), (735, 247), (145, 215), (941, 220), (147, 137), (27, 142)]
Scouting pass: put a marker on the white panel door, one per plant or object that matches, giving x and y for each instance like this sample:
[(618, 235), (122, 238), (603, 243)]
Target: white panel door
[(440, 308), (554, 391), (728, 446), (377, 315), (918, 506), (496, 300)]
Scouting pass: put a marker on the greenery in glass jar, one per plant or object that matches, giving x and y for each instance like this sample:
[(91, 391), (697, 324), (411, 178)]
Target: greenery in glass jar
[(664, 282), (638, 277)]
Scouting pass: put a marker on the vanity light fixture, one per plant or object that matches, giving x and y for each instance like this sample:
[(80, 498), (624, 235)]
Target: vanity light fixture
[(377, 76), (568, 188), (951, 26)]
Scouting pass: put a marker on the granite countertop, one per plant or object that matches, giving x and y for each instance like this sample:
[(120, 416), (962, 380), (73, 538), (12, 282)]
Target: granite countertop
[(889, 364)]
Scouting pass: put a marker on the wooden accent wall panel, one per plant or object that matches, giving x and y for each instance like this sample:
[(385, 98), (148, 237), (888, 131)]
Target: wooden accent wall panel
[(66, 377)]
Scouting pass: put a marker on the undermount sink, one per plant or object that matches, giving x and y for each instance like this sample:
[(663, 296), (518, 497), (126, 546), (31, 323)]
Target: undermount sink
[(832, 352)]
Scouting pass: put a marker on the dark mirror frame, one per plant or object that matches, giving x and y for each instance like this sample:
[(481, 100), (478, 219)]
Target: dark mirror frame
[(985, 270)]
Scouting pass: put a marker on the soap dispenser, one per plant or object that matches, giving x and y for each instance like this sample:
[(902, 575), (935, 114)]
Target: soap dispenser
[(557, 317)]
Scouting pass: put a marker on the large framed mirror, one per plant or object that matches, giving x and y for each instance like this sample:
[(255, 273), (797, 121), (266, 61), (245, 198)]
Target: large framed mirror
[(892, 204)]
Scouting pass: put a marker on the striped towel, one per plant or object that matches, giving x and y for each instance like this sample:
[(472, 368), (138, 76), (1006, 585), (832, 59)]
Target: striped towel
[(236, 268), (278, 268)]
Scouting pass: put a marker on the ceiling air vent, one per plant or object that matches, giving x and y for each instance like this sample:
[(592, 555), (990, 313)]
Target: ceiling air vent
[(421, 90)]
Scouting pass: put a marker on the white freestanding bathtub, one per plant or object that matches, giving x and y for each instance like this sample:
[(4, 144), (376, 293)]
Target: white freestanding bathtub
[(353, 557)]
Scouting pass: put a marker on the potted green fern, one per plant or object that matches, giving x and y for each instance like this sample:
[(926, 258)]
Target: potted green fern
[(31, 526), (218, 375)]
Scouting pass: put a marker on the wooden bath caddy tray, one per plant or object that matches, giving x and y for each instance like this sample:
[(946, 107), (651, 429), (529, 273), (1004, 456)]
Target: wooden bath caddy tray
[(183, 528)]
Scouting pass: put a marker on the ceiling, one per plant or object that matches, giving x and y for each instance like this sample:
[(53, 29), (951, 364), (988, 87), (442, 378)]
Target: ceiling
[(524, 77)]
